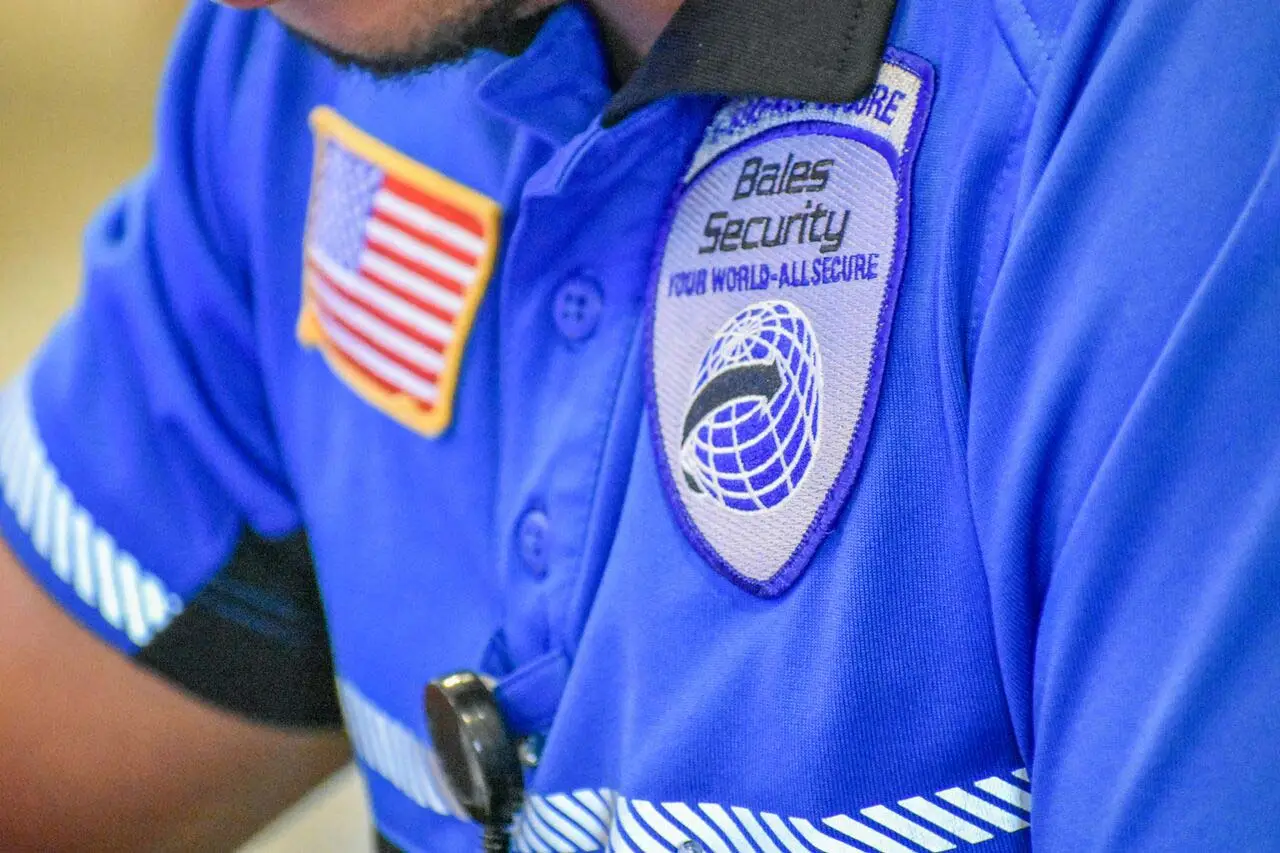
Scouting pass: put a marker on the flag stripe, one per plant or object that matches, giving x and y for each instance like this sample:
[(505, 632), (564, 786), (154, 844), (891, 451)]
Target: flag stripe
[(393, 219), (390, 308), (424, 260), (328, 316), (438, 286), (355, 367), (385, 374), (410, 353), (423, 221), (435, 206), (319, 283), (404, 285), (428, 349)]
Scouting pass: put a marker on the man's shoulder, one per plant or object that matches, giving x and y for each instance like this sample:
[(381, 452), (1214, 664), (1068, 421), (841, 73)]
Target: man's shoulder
[(224, 54), (248, 80)]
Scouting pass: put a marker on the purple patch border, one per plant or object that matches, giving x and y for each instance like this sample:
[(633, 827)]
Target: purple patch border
[(833, 504)]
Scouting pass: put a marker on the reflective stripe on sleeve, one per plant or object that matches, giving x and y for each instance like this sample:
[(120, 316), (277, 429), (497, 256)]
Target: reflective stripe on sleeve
[(83, 556)]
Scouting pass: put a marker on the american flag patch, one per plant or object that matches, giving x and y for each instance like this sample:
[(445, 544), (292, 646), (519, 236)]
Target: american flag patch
[(397, 258)]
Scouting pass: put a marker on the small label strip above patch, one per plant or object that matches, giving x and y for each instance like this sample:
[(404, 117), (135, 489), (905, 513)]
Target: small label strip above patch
[(889, 110)]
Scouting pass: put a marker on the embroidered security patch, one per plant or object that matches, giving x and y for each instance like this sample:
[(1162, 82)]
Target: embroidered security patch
[(397, 260), (770, 316)]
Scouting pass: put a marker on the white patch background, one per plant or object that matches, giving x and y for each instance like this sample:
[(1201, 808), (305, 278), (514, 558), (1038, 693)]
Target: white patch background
[(845, 315)]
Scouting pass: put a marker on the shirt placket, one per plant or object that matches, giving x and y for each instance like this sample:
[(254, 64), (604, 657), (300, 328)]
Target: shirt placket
[(571, 318)]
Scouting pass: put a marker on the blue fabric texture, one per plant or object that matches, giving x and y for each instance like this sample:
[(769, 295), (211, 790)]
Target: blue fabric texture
[(1055, 571)]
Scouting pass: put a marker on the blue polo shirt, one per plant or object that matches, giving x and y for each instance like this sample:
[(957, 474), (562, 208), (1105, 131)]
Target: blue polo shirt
[(863, 423)]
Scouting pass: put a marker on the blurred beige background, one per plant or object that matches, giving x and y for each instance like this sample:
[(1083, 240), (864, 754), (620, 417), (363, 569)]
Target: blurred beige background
[(77, 82)]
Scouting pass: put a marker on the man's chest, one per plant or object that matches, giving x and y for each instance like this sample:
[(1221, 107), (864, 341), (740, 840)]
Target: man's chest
[(701, 488)]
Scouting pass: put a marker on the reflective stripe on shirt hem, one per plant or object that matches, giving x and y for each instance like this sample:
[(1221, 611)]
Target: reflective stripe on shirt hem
[(601, 819)]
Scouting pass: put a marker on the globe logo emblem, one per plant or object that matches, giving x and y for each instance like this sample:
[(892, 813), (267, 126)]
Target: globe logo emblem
[(751, 427)]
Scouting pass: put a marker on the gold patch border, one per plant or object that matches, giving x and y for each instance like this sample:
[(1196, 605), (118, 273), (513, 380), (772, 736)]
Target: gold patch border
[(327, 123)]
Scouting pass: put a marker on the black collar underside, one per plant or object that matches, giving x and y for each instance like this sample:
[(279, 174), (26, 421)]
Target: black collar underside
[(828, 51)]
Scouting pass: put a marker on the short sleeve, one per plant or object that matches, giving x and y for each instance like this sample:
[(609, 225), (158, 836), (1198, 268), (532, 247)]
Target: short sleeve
[(1125, 432), (142, 484)]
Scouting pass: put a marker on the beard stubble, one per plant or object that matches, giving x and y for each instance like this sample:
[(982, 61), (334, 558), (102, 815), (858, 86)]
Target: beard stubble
[(504, 26)]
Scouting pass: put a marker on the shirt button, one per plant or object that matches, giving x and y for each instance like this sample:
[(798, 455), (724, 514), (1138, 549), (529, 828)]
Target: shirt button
[(532, 536), (577, 308)]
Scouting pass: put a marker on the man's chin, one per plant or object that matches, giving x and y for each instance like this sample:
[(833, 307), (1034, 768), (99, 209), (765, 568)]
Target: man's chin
[(422, 35)]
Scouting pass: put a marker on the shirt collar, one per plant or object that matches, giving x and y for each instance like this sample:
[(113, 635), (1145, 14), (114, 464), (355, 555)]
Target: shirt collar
[(559, 84), (827, 51)]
